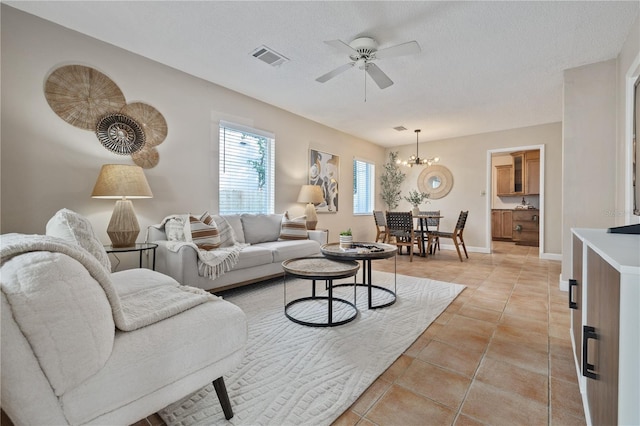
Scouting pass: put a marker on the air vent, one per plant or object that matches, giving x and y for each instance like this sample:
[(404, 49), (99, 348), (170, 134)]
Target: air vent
[(269, 56), (400, 128)]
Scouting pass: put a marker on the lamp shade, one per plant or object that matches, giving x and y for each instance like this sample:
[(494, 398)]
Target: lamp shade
[(121, 181), (310, 194)]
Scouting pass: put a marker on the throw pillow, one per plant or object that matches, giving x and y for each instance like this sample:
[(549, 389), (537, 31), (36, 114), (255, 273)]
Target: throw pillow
[(204, 235), (174, 228), (75, 228), (261, 228), (293, 229)]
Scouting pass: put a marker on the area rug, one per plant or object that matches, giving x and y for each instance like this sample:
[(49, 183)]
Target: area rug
[(298, 375)]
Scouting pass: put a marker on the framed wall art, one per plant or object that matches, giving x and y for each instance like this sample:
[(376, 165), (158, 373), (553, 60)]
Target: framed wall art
[(324, 171)]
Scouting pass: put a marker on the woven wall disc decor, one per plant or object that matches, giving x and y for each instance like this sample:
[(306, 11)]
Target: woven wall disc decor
[(153, 123), (81, 95), (436, 181), (120, 133), (147, 158)]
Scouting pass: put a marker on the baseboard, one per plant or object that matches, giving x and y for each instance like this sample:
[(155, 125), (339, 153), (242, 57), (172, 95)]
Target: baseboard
[(564, 284), (551, 256), (545, 256), (469, 249)]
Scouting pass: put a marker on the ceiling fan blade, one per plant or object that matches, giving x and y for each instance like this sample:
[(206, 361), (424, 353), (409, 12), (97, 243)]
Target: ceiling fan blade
[(343, 47), (378, 76), (408, 48), (328, 76)]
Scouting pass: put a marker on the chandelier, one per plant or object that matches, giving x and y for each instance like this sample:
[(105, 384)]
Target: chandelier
[(415, 160)]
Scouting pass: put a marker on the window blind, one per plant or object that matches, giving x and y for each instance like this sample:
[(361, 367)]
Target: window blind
[(246, 172), (363, 187)]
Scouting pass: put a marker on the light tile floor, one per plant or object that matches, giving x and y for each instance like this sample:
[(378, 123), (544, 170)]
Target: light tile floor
[(499, 355)]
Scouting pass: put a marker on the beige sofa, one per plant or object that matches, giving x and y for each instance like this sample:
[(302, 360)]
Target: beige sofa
[(259, 261), (81, 345)]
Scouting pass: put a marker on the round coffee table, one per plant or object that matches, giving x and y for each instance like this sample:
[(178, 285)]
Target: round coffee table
[(366, 252), (320, 268)]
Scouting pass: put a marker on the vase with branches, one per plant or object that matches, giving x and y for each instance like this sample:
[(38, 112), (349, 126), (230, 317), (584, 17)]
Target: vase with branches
[(390, 182), (415, 198)]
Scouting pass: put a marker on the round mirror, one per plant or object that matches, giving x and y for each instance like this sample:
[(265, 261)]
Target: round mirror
[(435, 180)]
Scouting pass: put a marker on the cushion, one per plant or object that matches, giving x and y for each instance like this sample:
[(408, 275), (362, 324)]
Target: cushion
[(64, 314), (293, 229), (260, 228), (162, 353), (204, 235), (235, 222), (174, 228), (283, 250), (75, 228)]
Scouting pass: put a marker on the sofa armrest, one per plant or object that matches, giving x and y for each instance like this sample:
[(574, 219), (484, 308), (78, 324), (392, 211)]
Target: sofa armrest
[(319, 235), (155, 234), (181, 265)]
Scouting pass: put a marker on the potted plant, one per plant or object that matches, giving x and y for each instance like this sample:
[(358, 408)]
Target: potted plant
[(390, 181), (416, 198), (346, 239)]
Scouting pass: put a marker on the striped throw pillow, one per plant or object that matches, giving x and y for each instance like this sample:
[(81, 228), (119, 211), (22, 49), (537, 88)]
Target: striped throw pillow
[(204, 233), (293, 229)]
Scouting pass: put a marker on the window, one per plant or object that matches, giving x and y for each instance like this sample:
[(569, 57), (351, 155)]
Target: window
[(246, 182), (363, 187)]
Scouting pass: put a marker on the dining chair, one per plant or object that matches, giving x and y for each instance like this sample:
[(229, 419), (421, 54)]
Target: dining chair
[(400, 226), (456, 235), (433, 224), (381, 226)]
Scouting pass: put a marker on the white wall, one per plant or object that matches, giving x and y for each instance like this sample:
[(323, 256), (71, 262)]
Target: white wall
[(627, 73), (589, 151), (466, 157), (48, 164)]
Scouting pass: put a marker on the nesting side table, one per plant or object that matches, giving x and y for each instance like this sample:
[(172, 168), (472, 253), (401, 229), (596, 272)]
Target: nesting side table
[(320, 268)]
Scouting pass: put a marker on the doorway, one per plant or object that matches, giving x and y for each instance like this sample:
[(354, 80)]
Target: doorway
[(517, 199)]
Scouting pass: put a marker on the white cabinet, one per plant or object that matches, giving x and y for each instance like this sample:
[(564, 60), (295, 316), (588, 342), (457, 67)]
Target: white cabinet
[(604, 295)]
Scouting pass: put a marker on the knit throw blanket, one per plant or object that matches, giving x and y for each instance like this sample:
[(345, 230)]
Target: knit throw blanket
[(211, 263), (132, 310)]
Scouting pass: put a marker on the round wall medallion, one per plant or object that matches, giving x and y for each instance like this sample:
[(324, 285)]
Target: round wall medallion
[(436, 181), (120, 133), (153, 123), (81, 95), (147, 158)]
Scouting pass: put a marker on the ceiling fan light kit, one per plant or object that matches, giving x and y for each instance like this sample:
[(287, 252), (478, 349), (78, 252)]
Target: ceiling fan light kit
[(362, 52), (415, 160)]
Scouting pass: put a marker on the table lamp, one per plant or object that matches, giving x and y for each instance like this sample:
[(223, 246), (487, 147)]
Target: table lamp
[(122, 182), (311, 194)]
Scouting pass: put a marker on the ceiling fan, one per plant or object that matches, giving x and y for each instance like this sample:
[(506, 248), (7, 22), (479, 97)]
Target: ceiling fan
[(362, 52)]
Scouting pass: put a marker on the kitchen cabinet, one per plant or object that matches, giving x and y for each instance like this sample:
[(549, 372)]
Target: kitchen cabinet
[(501, 224), (532, 172), (518, 173), (521, 177), (604, 295), (504, 184), (526, 227)]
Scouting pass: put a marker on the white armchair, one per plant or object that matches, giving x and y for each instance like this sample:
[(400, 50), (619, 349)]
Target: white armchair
[(66, 357)]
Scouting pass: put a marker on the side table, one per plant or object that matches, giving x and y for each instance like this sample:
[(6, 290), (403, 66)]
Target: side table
[(366, 252), (139, 247), (320, 268)]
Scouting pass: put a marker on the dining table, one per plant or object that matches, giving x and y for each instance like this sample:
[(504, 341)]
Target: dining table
[(423, 228)]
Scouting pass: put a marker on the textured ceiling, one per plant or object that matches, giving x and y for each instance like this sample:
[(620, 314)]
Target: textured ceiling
[(484, 66)]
